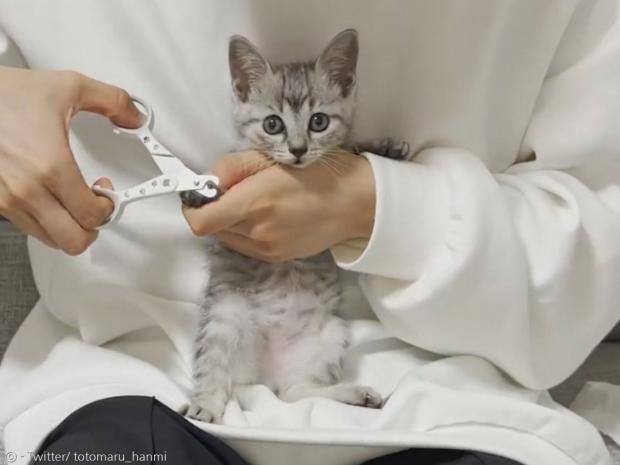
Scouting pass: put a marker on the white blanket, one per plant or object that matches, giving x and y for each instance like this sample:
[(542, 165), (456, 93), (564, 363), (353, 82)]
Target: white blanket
[(434, 401)]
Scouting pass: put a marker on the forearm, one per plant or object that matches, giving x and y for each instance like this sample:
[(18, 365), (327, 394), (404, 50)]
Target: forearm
[(505, 267)]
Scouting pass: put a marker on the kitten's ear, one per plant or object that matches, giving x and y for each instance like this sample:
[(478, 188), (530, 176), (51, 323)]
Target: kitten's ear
[(247, 66), (339, 60)]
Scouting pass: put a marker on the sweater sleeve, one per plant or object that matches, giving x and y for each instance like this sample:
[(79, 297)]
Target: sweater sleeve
[(520, 267), (9, 53)]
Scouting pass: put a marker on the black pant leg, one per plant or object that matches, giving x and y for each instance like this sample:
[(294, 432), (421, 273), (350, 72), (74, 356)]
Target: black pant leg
[(134, 429), (440, 457), (143, 430)]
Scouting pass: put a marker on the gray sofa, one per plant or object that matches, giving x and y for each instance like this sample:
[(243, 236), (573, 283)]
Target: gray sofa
[(18, 295), (17, 291)]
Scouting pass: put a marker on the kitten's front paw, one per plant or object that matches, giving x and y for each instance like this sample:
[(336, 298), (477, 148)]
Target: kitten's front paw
[(393, 149), (207, 411), (194, 199)]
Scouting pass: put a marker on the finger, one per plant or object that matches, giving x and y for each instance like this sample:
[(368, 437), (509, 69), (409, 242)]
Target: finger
[(28, 225), (243, 228), (68, 185), (110, 101), (211, 218), (228, 210), (105, 183), (60, 225), (34, 200), (235, 167), (241, 244)]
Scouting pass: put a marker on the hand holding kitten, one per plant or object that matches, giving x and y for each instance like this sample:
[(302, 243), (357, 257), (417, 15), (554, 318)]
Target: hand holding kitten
[(278, 213)]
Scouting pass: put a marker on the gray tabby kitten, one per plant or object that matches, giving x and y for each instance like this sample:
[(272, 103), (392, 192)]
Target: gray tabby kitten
[(275, 323)]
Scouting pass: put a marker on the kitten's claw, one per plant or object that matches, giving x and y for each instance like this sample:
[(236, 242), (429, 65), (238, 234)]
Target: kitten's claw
[(370, 397), (183, 410), (392, 149), (194, 199), (364, 396)]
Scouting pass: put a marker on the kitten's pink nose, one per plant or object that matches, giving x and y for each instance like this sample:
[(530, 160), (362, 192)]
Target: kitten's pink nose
[(298, 152)]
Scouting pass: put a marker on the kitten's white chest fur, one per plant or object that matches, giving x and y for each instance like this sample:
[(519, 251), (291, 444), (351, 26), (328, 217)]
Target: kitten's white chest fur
[(287, 315)]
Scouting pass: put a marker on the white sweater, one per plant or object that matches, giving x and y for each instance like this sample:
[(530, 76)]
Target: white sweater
[(493, 266)]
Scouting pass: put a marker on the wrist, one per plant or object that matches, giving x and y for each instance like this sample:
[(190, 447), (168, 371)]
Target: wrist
[(358, 210)]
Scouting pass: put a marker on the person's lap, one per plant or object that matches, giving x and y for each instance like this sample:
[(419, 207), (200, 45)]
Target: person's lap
[(128, 429)]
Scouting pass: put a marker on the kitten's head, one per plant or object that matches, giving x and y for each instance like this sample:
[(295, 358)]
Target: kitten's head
[(294, 112)]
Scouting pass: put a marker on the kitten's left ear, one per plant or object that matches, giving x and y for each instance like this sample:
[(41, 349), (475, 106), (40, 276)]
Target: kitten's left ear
[(339, 60)]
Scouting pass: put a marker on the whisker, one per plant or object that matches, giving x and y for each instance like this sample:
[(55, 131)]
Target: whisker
[(332, 156), (335, 161), (260, 164), (329, 165), (332, 152)]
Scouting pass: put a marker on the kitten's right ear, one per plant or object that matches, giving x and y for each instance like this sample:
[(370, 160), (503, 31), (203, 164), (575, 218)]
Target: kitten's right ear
[(247, 66)]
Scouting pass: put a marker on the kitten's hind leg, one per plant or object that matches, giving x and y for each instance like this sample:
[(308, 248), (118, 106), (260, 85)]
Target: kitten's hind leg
[(224, 355), (310, 366), (352, 394)]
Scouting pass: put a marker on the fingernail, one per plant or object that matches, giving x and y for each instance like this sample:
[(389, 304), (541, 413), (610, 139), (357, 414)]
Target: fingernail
[(141, 117), (104, 182)]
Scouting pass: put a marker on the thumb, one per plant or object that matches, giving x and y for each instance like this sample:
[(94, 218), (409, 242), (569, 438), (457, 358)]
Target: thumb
[(231, 208), (105, 183), (110, 101), (106, 204), (235, 167)]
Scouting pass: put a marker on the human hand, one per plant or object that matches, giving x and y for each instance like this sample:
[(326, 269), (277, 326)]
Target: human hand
[(277, 213), (42, 191)]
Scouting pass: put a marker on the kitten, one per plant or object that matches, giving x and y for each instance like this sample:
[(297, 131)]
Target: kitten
[(276, 323)]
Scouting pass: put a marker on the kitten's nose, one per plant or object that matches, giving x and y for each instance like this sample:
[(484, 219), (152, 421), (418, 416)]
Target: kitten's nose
[(298, 151)]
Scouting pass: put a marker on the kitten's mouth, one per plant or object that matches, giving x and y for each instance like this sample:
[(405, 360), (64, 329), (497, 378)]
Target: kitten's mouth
[(293, 163), (300, 163), (297, 163)]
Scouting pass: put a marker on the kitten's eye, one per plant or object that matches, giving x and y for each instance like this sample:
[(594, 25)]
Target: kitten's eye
[(273, 125), (319, 122)]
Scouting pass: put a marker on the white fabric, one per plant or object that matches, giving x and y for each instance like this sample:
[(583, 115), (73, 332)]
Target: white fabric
[(486, 261), (599, 403)]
